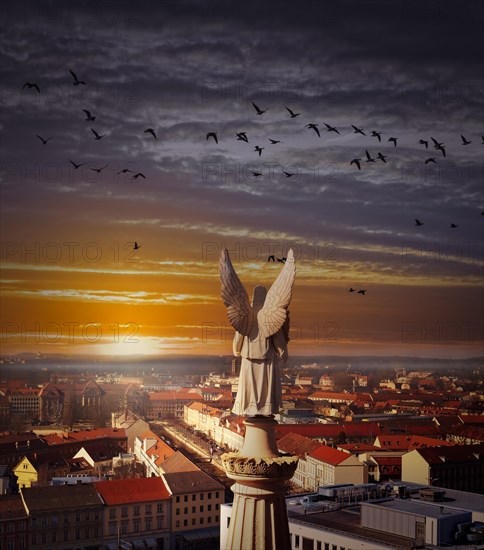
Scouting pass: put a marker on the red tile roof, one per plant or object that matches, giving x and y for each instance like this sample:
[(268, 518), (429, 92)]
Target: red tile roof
[(125, 491), (329, 455)]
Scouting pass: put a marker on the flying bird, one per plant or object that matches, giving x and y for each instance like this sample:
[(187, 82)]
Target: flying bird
[(440, 147), (76, 80), (259, 149), (282, 260), (394, 139), (362, 292), (257, 174), (423, 142), (30, 85), (376, 134), (242, 136), (212, 135), (150, 131), (96, 135), (274, 141), (436, 143), (368, 157), (138, 175), (76, 166), (382, 157), (292, 113), (358, 130), (259, 111), (431, 159), (314, 127), (418, 223), (124, 171), (351, 290), (453, 226), (331, 128), (44, 141), (136, 246), (99, 170), (356, 162), (288, 174), (271, 258), (465, 141), (89, 117)]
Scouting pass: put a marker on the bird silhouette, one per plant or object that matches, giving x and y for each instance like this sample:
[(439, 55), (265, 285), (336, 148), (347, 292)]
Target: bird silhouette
[(351, 290), (212, 135), (99, 170), (274, 141), (362, 292), (259, 111), (76, 166), (368, 157), (431, 159), (150, 131), (258, 149), (376, 134), (358, 130), (440, 147), (257, 174), (482, 137), (242, 136), (44, 141), (356, 162), (292, 113), (418, 223), (282, 260), (124, 171), (138, 175), (314, 127), (76, 80), (382, 157), (464, 140), (288, 174), (97, 136), (136, 246), (30, 85), (423, 142), (271, 258), (394, 139), (453, 226), (331, 128), (89, 117)]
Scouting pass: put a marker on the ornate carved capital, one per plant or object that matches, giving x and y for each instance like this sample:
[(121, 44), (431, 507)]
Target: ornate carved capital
[(270, 467)]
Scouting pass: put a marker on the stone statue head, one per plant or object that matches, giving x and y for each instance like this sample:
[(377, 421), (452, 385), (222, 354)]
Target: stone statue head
[(259, 297)]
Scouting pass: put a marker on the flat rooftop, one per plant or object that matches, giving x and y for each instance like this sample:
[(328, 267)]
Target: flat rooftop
[(416, 507)]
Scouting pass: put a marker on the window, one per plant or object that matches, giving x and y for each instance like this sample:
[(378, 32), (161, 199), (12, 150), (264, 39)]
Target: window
[(326, 546), (201, 496), (112, 527), (159, 521), (177, 499), (194, 521), (177, 512), (136, 511), (112, 513), (136, 525), (216, 518), (185, 522), (217, 506), (148, 524), (66, 536), (34, 522), (209, 495), (185, 498), (296, 541), (54, 536), (148, 508), (96, 532), (124, 526), (124, 512), (10, 544), (159, 508), (96, 515), (66, 517), (209, 519), (194, 497), (318, 545), (177, 523), (78, 516), (34, 538), (209, 507), (216, 494), (86, 533), (55, 520), (194, 509), (201, 521), (185, 510)]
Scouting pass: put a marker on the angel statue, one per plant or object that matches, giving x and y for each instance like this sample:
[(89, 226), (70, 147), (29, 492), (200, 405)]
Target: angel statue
[(261, 337)]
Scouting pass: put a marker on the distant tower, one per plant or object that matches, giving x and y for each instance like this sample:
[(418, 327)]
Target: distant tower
[(235, 366)]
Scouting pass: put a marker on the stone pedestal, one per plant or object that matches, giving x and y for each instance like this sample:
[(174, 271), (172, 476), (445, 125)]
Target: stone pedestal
[(259, 515)]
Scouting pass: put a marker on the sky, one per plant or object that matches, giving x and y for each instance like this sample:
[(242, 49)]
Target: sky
[(72, 282)]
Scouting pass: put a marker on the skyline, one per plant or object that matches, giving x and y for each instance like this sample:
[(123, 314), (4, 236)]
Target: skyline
[(71, 281)]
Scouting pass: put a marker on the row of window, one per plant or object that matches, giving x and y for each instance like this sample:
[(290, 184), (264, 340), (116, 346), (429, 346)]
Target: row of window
[(136, 510), (21, 544), (79, 534), (194, 509), (124, 525), (201, 521), (194, 496), (309, 543), (54, 518), (11, 526)]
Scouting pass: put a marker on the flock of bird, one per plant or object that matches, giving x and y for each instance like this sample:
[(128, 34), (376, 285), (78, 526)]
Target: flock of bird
[(242, 136)]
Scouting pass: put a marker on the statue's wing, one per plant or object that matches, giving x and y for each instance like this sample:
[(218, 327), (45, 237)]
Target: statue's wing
[(234, 296), (274, 313)]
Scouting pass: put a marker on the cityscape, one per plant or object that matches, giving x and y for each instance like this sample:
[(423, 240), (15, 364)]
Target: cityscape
[(241, 275)]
